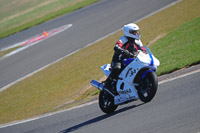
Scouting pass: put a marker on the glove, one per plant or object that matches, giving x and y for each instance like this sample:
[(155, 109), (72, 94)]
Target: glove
[(131, 55), (126, 53)]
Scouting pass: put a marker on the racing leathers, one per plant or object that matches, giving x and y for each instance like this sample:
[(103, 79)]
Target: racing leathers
[(125, 47)]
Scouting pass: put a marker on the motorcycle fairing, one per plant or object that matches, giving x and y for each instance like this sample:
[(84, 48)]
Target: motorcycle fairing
[(125, 86), (127, 92), (106, 69)]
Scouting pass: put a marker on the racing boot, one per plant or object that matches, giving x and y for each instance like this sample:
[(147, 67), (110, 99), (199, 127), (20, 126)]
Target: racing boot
[(107, 83)]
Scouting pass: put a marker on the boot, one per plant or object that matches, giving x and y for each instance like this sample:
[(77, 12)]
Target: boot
[(107, 83)]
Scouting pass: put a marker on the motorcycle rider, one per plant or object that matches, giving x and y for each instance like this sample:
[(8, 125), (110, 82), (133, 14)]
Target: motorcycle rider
[(126, 47)]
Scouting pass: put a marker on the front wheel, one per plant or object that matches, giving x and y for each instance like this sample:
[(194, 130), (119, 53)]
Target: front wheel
[(106, 102), (148, 87)]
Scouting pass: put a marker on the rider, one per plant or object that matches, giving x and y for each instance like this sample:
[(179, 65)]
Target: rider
[(126, 47)]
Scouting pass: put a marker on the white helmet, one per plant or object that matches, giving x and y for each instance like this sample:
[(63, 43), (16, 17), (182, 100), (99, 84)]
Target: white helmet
[(132, 30)]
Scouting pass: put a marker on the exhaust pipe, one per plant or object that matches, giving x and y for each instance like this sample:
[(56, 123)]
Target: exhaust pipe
[(97, 84), (100, 86)]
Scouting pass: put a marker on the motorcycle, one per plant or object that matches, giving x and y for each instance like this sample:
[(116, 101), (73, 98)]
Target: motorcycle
[(136, 81)]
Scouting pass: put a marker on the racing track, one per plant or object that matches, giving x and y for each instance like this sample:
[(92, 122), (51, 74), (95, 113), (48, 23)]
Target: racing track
[(89, 24)]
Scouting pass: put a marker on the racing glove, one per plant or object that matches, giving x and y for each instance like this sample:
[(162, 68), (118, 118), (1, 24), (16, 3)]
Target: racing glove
[(129, 54), (126, 53)]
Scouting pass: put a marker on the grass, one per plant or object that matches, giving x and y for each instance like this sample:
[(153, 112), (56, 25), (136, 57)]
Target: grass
[(27, 13), (67, 82), (179, 48)]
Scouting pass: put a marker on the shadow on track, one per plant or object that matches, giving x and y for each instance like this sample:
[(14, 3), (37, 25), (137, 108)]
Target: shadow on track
[(99, 118)]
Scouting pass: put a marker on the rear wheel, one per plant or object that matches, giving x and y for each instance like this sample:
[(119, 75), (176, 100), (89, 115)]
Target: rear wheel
[(106, 102), (148, 87)]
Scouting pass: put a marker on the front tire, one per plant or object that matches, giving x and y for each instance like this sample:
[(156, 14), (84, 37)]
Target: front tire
[(148, 87), (106, 102)]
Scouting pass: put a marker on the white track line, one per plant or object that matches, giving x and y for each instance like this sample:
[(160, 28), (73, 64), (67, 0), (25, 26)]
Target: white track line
[(183, 75)]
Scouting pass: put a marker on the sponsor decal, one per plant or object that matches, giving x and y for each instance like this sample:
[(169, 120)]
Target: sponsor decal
[(125, 91), (130, 72)]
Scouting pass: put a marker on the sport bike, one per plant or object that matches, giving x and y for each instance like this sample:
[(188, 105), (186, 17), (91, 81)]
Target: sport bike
[(137, 80)]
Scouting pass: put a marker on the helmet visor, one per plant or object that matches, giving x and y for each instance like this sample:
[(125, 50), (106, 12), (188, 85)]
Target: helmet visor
[(134, 32)]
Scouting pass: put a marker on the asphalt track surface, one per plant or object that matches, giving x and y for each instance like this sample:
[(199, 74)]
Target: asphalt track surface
[(89, 24), (175, 109)]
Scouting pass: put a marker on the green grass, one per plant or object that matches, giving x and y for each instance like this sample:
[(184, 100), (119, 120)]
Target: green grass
[(179, 48), (27, 13), (66, 83)]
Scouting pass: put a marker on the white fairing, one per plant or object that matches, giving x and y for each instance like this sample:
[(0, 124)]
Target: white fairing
[(156, 62), (106, 69), (147, 59), (125, 86)]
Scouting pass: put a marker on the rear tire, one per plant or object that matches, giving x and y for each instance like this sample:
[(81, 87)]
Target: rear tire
[(106, 102), (148, 87)]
